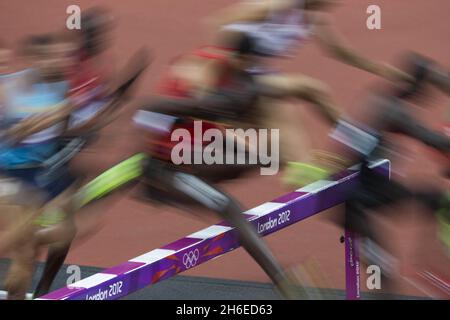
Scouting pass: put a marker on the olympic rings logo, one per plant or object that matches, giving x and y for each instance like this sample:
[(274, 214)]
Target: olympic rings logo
[(190, 259)]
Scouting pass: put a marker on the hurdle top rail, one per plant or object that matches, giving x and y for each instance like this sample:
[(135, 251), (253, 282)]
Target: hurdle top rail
[(216, 240)]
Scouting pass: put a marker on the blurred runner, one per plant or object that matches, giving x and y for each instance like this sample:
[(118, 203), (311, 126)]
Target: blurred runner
[(91, 79), (362, 143), (97, 96), (54, 227), (38, 91), (211, 84), (180, 187), (279, 27)]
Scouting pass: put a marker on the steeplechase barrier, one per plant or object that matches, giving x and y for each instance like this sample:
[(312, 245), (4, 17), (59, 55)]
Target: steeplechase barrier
[(212, 242)]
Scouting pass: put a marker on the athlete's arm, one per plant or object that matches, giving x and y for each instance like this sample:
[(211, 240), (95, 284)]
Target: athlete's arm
[(100, 120), (427, 136), (404, 123), (117, 96), (330, 41), (440, 78), (211, 106)]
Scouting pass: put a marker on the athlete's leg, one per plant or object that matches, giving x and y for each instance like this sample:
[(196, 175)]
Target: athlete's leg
[(57, 253), (19, 204), (21, 270), (21, 239), (187, 185), (58, 237), (280, 114), (301, 87), (291, 131), (23, 253)]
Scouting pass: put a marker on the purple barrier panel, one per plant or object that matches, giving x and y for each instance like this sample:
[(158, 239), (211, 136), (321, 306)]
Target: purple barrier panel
[(212, 242)]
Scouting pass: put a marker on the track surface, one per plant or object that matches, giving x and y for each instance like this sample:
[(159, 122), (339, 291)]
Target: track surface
[(199, 288), (170, 27)]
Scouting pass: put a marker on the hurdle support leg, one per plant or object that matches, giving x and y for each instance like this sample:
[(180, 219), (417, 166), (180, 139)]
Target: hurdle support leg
[(352, 266)]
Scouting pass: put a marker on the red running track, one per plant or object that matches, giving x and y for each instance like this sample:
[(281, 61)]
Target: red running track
[(169, 27)]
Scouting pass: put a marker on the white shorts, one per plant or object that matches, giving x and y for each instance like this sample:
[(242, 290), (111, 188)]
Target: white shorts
[(86, 113)]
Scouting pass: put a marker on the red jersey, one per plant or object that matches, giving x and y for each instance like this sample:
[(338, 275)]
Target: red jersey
[(160, 144), (87, 83), (172, 86)]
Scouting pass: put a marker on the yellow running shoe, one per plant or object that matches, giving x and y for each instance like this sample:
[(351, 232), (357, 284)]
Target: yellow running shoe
[(50, 218), (443, 220), (300, 174), (444, 232)]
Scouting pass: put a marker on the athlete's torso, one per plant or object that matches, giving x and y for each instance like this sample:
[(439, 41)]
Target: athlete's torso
[(172, 85), (186, 73), (87, 90), (23, 102)]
